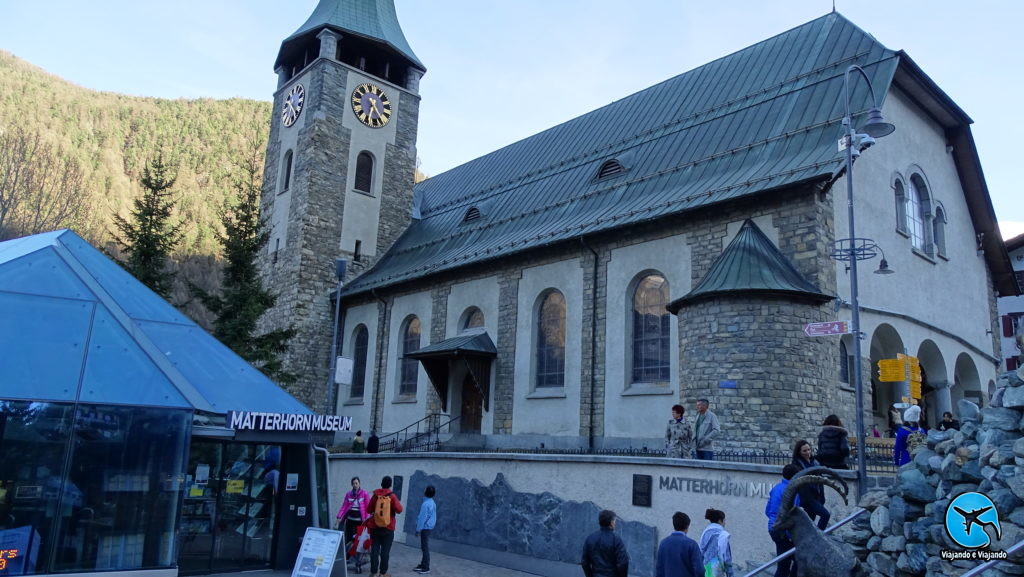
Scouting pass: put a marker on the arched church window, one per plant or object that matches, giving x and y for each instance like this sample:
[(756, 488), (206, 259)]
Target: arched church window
[(360, 348), (917, 213), (844, 363), (474, 318), (364, 172), (550, 351), (651, 326), (410, 367)]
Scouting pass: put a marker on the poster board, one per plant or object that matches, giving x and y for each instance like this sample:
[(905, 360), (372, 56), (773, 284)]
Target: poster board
[(317, 554)]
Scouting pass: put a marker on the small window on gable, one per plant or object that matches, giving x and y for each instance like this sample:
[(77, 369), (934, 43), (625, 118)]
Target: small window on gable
[(364, 172), (472, 214), (610, 168)]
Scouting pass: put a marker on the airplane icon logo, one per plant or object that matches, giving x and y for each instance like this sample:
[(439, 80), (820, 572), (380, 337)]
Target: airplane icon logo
[(966, 519)]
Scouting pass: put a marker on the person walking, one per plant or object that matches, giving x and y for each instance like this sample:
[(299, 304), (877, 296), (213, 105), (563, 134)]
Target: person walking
[(812, 497), (384, 506), (715, 550), (678, 435), (425, 522), (352, 512), (705, 431), (783, 543), (907, 436), (604, 553), (833, 444), (678, 555)]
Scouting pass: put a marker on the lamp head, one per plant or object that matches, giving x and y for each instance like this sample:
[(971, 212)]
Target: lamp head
[(876, 126), (883, 268), (339, 268)]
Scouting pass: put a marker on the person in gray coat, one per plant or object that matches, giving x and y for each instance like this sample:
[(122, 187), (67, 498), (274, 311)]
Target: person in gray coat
[(705, 432)]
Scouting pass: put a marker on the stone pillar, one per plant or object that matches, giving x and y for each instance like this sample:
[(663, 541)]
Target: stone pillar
[(282, 75), (412, 80), (329, 40), (943, 401)]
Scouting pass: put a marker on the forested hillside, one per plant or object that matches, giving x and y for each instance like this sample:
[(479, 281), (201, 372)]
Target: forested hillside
[(108, 138)]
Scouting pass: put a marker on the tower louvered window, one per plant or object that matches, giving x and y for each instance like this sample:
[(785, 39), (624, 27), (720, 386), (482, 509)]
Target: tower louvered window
[(610, 168), (364, 172)]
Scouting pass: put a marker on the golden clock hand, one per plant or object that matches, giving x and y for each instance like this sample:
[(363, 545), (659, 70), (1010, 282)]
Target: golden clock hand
[(373, 104)]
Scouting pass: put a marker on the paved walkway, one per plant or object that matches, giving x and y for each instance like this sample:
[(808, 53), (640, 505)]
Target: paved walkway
[(404, 558)]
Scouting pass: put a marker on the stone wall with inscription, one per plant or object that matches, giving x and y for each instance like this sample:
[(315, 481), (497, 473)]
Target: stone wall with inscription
[(532, 512)]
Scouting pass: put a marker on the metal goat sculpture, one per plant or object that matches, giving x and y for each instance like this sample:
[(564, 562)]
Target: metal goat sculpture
[(817, 554)]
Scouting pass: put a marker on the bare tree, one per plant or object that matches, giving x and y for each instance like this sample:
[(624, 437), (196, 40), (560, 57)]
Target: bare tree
[(41, 187)]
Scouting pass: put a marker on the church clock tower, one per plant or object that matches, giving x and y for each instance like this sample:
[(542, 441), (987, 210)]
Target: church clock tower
[(339, 169)]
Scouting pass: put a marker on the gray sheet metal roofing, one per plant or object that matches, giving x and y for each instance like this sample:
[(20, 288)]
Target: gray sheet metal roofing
[(373, 19), (751, 264), (76, 327), (763, 118), (471, 343)]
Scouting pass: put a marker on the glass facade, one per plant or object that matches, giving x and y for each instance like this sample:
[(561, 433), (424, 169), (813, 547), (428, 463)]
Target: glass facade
[(228, 519), (89, 487)]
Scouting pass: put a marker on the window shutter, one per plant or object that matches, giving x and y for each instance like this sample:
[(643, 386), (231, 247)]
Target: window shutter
[(1007, 326)]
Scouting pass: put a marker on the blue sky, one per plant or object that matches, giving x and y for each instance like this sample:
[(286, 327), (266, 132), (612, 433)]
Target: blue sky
[(488, 60)]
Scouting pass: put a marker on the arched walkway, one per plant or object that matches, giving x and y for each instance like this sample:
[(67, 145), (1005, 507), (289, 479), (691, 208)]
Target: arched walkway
[(886, 343), (967, 382)]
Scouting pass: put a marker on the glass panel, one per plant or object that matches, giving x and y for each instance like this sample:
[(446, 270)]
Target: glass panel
[(108, 503), (651, 331), (551, 341), (362, 342), (199, 513)]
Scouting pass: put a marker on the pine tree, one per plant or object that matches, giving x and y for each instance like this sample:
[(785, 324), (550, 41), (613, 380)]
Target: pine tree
[(243, 299), (148, 238)]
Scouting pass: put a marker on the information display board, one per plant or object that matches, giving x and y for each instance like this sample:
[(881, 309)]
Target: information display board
[(317, 554)]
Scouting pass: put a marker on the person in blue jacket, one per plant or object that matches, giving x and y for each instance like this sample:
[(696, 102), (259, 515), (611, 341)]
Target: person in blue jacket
[(425, 522), (901, 450), (678, 554), (786, 567)]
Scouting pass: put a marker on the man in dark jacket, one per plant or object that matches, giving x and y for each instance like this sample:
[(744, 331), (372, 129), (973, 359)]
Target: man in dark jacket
[(678, 555), (604, 553)]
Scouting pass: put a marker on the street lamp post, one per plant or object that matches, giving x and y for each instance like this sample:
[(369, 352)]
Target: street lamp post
[(853, 249), (332, 386)]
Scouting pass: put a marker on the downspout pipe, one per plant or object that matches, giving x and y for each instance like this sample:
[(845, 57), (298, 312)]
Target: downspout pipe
[(381, 345), (593, 341)]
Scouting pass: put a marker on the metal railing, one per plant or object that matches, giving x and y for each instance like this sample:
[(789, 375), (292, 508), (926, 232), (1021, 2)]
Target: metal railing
[(990, 564), (792, 551), (423, 436)]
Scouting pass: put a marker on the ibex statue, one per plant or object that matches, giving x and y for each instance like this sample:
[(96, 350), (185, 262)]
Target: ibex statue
[(817, 554)]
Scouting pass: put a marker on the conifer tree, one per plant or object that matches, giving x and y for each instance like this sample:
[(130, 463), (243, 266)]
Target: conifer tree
[(148, 238), (243, 299)]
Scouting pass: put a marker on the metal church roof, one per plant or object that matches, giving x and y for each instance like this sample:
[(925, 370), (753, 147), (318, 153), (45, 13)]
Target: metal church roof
[(373, 19), (751, 264), (474, 343), (74, 326), (764, 118)]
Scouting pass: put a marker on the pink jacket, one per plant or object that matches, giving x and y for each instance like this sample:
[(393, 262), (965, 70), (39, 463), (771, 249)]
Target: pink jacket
[(360, 499)]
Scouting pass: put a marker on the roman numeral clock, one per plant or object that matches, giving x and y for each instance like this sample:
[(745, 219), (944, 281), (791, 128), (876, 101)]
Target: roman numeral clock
[(371, 105)]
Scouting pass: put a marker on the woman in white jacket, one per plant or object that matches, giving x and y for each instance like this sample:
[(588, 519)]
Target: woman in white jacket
[(714, 546)]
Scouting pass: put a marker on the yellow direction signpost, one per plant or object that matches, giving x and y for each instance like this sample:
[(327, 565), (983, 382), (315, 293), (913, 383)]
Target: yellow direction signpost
[(902, 368)]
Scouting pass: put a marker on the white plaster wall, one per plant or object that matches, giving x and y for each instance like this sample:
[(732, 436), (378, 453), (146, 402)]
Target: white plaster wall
[(950, 293), (482, 294), (571, 478), (360, 408), (1009, 305), (623, 403), (362, 210), (549, 412), (400, 413)]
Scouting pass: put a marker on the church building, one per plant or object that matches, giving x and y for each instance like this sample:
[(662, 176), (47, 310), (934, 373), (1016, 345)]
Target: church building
[(568, 289)]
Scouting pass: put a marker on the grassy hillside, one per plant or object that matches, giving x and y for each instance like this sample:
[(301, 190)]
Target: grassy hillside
[(112, 136)]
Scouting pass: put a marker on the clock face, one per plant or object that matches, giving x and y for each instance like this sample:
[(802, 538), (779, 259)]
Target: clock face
[(371, 105), (292, 106)]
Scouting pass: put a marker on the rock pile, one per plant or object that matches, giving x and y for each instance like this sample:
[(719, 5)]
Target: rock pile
[(905, 531)]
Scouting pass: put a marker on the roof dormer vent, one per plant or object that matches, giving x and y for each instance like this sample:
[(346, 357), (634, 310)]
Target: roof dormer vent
[(472, 214), (610, 168)]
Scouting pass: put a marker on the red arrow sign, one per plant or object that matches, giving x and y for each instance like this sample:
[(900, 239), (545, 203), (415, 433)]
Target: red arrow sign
[(825, 329)]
